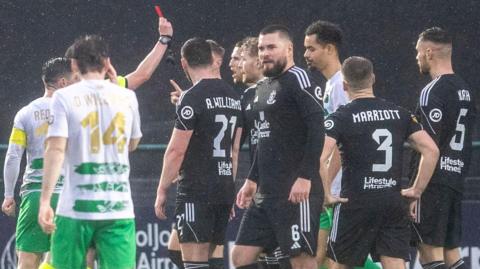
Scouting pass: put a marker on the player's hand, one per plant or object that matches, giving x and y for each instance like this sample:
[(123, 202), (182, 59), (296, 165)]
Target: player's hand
[(160, 203), (177, 91), (411, 193), (112, 74), (300, 190), (9, 206), (413, 210), (332, 200), (165, 27), (45, 218), (245, 194)]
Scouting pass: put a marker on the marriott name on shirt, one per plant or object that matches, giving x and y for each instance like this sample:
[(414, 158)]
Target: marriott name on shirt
[(376, 115)]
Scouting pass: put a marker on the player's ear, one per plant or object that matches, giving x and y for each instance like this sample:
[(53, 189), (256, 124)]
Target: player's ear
[(345, 86), (184, 63), (290, 47), (74, 66), (373, 79), (330, 49), (258, 63), (62, 83), (428, 54)]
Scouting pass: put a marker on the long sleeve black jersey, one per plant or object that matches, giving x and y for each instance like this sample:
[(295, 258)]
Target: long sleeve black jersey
[(250, 120), (290, 133)]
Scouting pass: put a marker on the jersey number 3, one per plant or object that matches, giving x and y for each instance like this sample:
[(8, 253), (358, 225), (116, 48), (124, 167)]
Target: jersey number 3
[(386, 146)]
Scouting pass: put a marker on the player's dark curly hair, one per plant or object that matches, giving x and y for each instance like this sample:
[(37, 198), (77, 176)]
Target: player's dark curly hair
[(89, 51), (54, 69), (326, 33)]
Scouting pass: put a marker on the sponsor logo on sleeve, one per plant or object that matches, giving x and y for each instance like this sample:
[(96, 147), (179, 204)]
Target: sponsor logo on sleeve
[(318, 93), (186, 112), (329, 124), (435, 115)]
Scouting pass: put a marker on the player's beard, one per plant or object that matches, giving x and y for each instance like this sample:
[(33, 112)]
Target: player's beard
[(423, 67), (277, 68)]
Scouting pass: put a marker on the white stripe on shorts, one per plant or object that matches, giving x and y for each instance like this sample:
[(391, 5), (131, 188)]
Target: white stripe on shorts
[(305, 216), (333, 232)]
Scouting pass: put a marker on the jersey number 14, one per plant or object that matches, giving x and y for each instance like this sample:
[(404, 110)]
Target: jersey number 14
[(114, 134)]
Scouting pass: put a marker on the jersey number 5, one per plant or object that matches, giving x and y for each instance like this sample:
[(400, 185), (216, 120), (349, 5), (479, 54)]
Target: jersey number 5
[(117, 126), (217, 141), (458, 146), (386, 146)]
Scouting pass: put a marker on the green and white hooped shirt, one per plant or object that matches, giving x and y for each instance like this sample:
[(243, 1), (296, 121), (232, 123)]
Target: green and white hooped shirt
[(29, 130), (99, 120)]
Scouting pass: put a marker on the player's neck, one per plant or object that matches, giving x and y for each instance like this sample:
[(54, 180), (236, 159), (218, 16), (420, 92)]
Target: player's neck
[(364, 93), (200, 74), (331, 69), (250, 84), (93, 76), (289, 65), (48, 92), (441, 69)]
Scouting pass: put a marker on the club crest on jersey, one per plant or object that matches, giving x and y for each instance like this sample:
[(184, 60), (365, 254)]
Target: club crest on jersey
[(435, 115), (329, 124), (318, 92), (186, 112), (271, 99)]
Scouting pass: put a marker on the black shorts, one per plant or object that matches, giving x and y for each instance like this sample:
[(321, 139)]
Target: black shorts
[(274, 223), (378, 226), (439, 217), (201, 222)]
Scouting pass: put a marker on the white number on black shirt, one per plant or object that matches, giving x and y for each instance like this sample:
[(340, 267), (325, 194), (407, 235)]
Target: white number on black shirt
[(217, 150), (458, 146), (386, 146)]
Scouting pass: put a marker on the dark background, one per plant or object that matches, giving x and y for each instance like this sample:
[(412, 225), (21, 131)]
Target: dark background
[(384, 31)]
